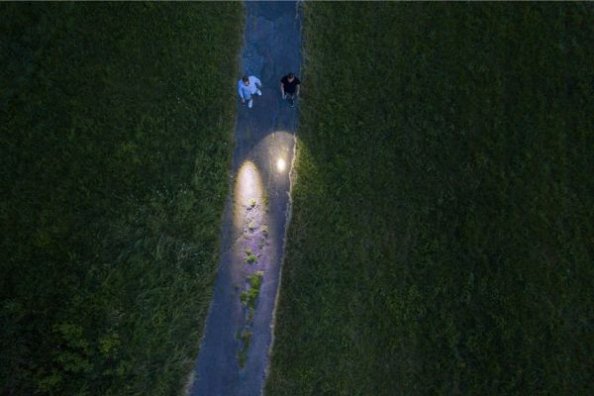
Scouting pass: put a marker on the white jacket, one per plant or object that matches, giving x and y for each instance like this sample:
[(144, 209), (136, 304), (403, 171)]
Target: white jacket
[(246, 91)]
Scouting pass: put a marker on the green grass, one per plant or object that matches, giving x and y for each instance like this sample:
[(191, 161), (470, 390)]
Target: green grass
[(250, 258), (115, 146), (449, 147), (249, 297)]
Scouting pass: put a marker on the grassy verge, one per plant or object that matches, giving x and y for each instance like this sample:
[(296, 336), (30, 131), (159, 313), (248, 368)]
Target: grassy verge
[(116, 140), (441, 239)]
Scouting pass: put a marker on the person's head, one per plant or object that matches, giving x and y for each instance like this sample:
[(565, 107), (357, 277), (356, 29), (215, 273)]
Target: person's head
[(245, 79), (290, 77)]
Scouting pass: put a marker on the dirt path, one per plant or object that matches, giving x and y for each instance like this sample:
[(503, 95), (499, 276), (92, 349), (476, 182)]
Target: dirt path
[(234, 353)]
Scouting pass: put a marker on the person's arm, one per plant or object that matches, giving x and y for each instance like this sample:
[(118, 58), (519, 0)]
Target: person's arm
[(283, 89), (297, 89), (257, 82), (240, 92)]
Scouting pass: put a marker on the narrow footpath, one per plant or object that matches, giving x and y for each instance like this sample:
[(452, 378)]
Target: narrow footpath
[(234, 353)]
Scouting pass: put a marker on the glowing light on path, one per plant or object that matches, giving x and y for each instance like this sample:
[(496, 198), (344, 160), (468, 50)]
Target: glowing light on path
[(248, 192), (281, 165)]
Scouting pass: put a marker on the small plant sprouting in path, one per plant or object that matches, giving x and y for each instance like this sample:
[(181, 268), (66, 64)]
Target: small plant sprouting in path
[(252, 226), (250, 257), (249, 298), (252, 203), (263, 237), (245, 336)]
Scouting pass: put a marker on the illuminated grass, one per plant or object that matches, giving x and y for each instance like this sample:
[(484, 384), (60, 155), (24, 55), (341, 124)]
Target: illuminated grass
[(252, 203), (252, 226)]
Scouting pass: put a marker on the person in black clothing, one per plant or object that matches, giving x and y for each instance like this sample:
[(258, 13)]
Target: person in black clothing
[(290, 88)]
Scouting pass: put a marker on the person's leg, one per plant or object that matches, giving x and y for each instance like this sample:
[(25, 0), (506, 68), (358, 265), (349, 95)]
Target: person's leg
[(249, 100), (291, 99)]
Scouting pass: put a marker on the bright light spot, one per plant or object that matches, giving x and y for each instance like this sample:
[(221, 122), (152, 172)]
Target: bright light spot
[(248, 183), (248, 191), (281, 165)]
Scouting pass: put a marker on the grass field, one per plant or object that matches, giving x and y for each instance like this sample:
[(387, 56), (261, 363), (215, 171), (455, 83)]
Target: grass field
[(116, 137), (442, 239)]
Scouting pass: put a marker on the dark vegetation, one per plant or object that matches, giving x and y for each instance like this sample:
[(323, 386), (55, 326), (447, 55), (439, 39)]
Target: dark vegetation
[(115, 144), (442, 236)]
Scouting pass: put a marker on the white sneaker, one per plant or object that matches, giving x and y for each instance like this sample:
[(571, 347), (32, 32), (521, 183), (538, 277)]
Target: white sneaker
[(250, 103), (259, 92)]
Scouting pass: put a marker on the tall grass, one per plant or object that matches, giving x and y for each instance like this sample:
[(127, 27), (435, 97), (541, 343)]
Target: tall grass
[(116, 140), (441, 239)]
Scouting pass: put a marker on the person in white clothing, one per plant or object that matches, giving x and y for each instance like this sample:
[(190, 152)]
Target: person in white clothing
[(247, 87)]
